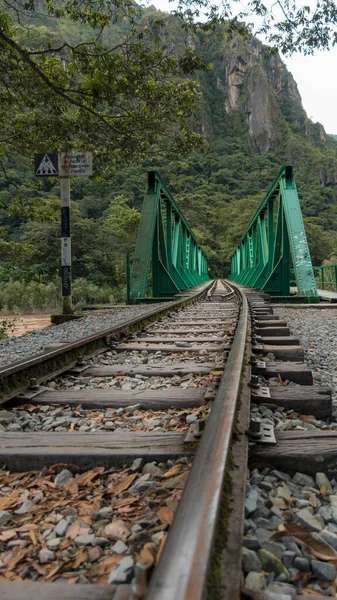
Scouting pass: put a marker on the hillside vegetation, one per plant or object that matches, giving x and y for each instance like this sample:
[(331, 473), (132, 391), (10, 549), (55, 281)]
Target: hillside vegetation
[(252, 118)]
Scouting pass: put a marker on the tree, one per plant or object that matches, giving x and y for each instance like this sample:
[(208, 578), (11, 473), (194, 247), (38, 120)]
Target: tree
[(288, 25), (94, 75)]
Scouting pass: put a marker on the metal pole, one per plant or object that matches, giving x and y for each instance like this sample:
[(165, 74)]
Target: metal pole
[(128, 278), (65, 246)]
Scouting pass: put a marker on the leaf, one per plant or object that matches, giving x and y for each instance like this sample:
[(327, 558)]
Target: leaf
[(72, 427), (71, 486), (17, 555), (7, 535), (80, 558), (165, 515), (146, 557), (10, 500), (171, 472), (75, 529), (108, 562), (27, 527), (124, 484), (33, 537), (161, 547), (317, 548), (310, 592), (217, 373), (125, 502), (279, 378), (307, 419), (86, 478)]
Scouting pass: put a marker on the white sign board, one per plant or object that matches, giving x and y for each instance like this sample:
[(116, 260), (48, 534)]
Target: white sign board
[(65, 252), (75, 164)]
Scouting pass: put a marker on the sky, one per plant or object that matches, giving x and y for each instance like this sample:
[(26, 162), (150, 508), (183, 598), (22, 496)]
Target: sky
[(315, 77)]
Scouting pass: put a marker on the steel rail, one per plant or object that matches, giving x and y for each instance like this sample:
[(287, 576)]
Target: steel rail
[(183, 568), (67, 347)]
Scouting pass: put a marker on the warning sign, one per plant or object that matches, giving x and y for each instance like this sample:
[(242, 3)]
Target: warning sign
[(63, 164), (46, 165), (75, 164)]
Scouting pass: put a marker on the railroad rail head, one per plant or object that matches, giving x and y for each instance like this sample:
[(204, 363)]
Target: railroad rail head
[(272, 242), (166, 249)]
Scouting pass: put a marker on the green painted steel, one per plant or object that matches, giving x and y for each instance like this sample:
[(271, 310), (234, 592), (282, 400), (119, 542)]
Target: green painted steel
[(275, 240), (167, 252), (326, 277)]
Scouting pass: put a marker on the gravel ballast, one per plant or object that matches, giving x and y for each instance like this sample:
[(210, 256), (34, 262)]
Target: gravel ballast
[(18, 348), (317, 331), (290, 543)]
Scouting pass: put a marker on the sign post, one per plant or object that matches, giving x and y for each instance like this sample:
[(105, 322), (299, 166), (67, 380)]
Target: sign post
[(64, 165), (65, 246)]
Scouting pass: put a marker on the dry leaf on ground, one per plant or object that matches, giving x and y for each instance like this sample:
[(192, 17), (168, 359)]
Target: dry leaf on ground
[(319, 549), (165, 515)]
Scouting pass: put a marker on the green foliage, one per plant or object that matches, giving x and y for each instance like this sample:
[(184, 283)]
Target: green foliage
[(19, 296), (98, 77)]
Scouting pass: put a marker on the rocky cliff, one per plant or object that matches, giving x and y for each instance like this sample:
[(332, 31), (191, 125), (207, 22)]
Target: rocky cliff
[(256, 82)]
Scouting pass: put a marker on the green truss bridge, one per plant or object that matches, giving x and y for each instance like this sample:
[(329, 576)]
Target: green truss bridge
[(272, 255)]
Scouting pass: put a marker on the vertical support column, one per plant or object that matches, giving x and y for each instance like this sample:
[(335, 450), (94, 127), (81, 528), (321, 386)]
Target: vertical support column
[(65, 246), (155, 263), (128, 278), (169, 236)]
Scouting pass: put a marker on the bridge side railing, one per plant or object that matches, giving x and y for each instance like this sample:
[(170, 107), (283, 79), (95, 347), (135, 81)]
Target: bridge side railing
[(275, 240), (326, 277), (167, 255)]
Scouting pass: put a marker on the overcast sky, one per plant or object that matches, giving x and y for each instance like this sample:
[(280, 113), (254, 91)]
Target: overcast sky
[(315, 76)]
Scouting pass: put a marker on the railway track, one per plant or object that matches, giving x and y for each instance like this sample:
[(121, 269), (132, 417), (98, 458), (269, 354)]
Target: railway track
[(125, 475), (97, 459)]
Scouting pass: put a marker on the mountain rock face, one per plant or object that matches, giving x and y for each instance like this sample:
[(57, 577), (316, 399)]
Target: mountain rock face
[(256, 83)]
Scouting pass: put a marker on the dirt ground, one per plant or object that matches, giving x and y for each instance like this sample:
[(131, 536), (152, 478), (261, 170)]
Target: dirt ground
[(26, 323)]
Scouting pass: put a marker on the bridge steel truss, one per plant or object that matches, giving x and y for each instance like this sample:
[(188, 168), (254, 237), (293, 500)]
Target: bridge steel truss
[(272, 241), (166, 248)]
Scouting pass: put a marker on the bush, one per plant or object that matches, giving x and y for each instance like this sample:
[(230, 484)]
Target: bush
[(18, 296)]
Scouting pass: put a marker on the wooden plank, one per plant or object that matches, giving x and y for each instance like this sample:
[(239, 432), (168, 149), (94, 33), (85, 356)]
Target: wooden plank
[(178, 338), (268, 317), (297, 372), (307, 400), (181, 331), (150, 370), (272, 322), (270, 331), (248, 594), (280, 340), (28, 590), (196, 318), (288, 353), (200, 323), (131, 346), (304, 451), (30, 451), (98, 398)]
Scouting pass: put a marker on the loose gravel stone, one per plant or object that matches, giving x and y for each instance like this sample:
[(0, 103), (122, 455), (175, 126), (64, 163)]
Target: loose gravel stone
[(271, 563), (250, 560), (117, 530), (5, 516), (62, 477), (323, 570), (308, 520), (122, 571), (46, 556), (254, 581)]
